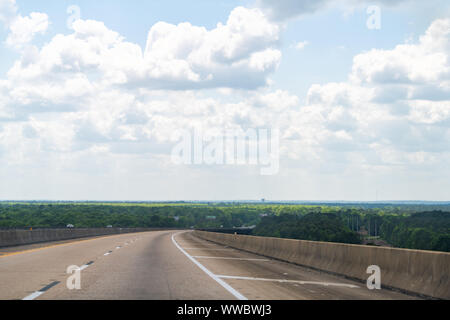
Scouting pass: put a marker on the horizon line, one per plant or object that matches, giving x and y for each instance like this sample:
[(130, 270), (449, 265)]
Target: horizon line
[(222, 201)]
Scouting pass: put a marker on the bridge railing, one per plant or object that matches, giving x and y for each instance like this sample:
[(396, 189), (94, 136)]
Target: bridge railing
[(16, 237), (419, 272)]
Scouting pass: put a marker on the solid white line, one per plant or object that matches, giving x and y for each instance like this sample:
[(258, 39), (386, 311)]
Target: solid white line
[(228, 258), (326, 284), (208, 249), (33, 296), (201, 244), (231, 290)]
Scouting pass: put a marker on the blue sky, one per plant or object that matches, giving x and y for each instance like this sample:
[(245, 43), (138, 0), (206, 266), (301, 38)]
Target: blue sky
[(363, 114)]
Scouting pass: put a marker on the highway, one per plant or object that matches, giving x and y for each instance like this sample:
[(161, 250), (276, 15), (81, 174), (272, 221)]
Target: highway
[(165, 265)]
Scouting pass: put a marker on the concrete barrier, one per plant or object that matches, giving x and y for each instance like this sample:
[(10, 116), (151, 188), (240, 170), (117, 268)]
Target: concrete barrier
[(9, 238), (419, 272)]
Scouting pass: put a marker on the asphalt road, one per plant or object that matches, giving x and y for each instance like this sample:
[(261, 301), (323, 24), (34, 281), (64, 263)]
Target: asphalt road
[(165, 265)]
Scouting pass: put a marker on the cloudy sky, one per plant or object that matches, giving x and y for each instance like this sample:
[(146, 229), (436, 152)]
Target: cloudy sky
[(91, 93)]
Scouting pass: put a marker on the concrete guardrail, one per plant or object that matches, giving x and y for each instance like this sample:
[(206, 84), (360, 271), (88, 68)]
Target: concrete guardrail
[(9, 238), (419, 272)]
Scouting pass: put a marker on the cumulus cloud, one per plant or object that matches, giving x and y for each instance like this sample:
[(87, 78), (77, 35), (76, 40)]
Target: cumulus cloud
[(278, 100), (239, 54), (411, 80), (425, 62), (23, 29), (394, 100), (371, 109), (93, 94)]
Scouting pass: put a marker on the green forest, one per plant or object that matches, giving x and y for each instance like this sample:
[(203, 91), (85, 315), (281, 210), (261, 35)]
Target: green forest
[(327, 227), (414, 226)]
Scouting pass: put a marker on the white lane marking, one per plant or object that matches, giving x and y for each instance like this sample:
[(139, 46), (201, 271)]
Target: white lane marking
[(209, 249), (33, 296), (36, 294), (201, 244), (231, 290), (228, 258), (326, 284)]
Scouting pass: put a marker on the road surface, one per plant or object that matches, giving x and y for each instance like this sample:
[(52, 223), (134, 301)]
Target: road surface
[(165, 265)]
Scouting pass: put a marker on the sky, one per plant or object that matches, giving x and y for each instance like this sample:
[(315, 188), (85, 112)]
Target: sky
[(94, 96)]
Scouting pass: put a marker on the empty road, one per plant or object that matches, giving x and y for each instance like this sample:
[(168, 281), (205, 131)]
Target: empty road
[(164, 265)]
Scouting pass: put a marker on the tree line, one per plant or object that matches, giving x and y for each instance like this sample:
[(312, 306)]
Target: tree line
[(406, 226)]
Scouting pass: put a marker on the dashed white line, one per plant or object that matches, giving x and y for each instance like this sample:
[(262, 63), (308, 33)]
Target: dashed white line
[(231, 290), (33, 296), (326, 284), (36, 294), (86, 265)]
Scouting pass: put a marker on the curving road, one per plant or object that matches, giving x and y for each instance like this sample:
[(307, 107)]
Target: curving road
[(164, 265)]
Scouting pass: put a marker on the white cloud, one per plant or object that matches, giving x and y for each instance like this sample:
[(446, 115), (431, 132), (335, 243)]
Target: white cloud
[(355, 115), (424, 62), (278, 100), (23, 29), (240, 54), (301, 45), (394, 100), (91, 96)]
